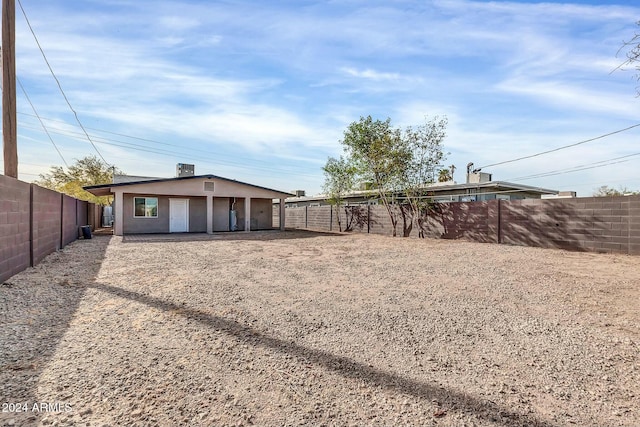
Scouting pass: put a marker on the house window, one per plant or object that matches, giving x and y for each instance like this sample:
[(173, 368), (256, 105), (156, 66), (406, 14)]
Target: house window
[(145, 207)]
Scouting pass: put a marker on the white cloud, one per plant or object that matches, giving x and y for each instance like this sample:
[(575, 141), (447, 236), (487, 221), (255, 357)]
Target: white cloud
[(371, 74)]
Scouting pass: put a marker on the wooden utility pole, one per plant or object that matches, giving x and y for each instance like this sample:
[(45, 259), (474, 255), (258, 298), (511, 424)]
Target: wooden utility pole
[(9, 123)]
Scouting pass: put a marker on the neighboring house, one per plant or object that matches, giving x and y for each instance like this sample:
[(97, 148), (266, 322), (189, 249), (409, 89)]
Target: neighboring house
[(195, 204), (478, 187)]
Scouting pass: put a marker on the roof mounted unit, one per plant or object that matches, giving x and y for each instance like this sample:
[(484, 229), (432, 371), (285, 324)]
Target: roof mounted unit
[(183, 169)]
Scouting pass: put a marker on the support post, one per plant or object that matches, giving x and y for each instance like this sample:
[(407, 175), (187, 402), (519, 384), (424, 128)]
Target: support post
[(247, 214), (282, 214), (9, 129), (119, 213), (209, 214)]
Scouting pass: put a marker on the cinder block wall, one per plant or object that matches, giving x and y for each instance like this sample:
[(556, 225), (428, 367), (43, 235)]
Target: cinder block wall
[(318, 218), (34, 222), (69, 220), (46, 222), (597, 224), (476, 221), (14, 226)]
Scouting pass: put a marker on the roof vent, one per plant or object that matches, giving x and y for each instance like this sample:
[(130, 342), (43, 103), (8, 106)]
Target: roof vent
[(183, 169)]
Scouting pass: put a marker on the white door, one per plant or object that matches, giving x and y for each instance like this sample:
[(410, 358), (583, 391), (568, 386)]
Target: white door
[(178, 215)]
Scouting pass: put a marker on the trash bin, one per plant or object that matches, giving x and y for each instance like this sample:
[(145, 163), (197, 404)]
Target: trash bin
[(86, 231)]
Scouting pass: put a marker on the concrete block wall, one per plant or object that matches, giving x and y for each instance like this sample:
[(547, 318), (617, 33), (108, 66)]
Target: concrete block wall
[(70, 227), (15, 249), (296, 217), (353, 218), (47, 217), (595, 224), (476, 221), (34, 222), (318, 218), (634, 225), (380, 223)]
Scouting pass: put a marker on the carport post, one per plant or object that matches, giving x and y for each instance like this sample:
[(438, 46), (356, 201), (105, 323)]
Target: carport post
[(247, 214), (209, 214), (282, 214), (119, 212)]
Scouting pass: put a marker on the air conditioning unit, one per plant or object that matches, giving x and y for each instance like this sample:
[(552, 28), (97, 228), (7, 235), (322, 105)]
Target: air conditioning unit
[(183, 169)]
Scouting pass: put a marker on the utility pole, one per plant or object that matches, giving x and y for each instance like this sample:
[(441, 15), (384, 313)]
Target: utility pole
[(9, 123)]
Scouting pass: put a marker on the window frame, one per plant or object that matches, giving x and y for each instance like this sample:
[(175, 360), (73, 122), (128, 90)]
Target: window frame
[(145, 207)]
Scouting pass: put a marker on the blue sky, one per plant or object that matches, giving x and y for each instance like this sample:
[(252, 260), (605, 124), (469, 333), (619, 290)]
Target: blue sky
[(263, 91)]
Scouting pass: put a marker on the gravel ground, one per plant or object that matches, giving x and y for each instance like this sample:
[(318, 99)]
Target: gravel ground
[(301, 328)]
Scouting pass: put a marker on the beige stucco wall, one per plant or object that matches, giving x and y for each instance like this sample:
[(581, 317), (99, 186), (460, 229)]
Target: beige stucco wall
[(197, 215), (221, 214), (133, 225), (195, 187), (219, 195), (261, 214)]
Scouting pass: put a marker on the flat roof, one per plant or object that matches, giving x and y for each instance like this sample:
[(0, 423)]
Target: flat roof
[(441, 189)]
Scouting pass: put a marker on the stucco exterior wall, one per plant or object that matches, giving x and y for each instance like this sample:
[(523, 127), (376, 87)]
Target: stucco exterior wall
[(261, 214), (197, 215), (221, 214), (239, 207), (261, 218), (133, 225), (200, 191), (196, 187)]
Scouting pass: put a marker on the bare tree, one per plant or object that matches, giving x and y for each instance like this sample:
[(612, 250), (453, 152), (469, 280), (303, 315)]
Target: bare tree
[(339, 176), (631, 49)]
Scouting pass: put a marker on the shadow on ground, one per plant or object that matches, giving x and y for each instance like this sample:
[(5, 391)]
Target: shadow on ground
[(482, 409), (36, 309)]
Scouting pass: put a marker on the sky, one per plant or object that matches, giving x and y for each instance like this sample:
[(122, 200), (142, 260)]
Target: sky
[(262, 92)]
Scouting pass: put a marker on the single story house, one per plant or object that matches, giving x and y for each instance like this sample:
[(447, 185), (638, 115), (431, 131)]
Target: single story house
[(190, 204), (437, 192)]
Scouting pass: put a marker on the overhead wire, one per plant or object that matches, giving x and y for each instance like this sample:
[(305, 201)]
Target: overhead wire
[(156, 150), (59, 85), (227, 160), (160, 151), (578, 168), (41, 122), (561, 148)]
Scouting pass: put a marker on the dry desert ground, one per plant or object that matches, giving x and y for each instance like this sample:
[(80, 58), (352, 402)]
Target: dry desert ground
[(301, 328)]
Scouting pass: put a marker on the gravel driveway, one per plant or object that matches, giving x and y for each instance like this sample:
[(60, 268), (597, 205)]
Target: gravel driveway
[(301, 328)]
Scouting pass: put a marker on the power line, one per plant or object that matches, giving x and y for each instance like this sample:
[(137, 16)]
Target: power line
[(58, 83), (173, 154), (160, 151), (41, 122), (562, 148), (578, 168)]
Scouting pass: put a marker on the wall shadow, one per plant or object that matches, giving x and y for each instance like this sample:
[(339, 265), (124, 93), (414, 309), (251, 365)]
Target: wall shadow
[(483, 409), (560, 224), (356, 218), (461, 220), (36, 309)]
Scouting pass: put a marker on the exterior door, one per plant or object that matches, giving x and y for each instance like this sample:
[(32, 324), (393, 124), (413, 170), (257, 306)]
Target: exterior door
[(178, 215)]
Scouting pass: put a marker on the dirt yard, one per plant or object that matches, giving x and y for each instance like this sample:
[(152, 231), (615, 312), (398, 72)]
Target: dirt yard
[(300, 328)]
